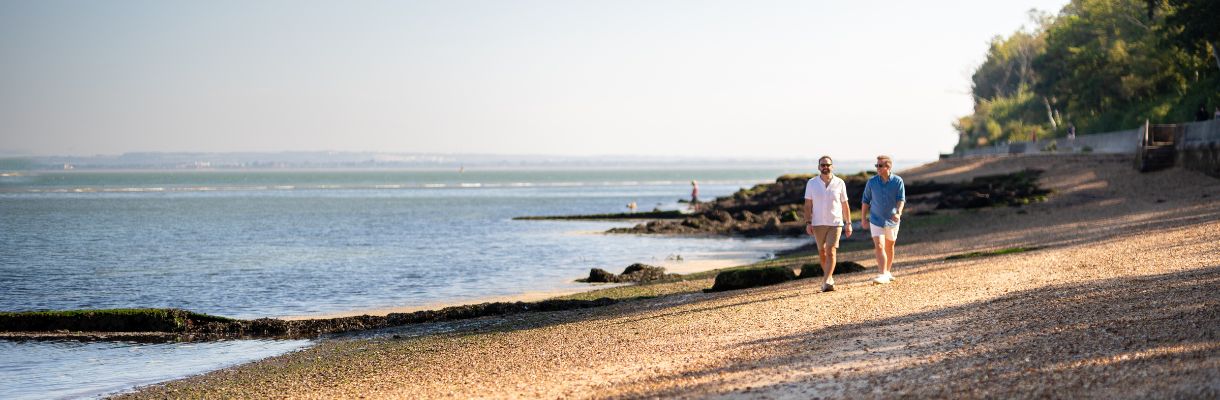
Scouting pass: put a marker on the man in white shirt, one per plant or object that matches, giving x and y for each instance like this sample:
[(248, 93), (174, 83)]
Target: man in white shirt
[(827, 211)]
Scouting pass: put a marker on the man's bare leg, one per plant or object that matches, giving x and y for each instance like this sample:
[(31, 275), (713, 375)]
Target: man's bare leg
[(828, 264), (889, 255), (879, 248)]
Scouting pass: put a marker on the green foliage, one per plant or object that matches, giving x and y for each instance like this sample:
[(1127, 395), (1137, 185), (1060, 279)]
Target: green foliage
[(1009, 65), (1193, 24), (1101, 65)]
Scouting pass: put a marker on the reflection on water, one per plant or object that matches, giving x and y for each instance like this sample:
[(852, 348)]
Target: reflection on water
[(68, 369)]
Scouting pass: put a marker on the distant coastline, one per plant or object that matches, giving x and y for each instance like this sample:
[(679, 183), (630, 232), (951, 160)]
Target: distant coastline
[(322, 160)]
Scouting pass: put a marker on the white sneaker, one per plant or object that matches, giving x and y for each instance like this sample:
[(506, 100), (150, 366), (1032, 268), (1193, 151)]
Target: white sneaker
[(829, 286), (883, 279)]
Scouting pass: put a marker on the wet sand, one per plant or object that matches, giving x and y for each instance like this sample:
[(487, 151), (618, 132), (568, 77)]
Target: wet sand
[(1120, 301), (671, 266), (523, 297)]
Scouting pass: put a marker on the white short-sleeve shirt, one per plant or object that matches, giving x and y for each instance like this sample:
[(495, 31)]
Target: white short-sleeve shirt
[(828, 200)]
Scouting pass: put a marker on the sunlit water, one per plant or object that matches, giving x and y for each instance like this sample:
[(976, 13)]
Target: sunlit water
[(266, 244)]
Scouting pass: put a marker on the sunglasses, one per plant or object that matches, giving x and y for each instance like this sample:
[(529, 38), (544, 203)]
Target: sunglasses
[(824, 165), (881, 165)]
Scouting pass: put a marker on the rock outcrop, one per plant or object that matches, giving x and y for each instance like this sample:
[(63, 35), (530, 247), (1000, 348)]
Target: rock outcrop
[(810, 270), (636, 273), (774, 209), (753, 277), (180, 325)]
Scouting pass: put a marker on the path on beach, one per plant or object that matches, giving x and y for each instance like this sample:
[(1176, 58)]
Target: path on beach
[(1121, 300)]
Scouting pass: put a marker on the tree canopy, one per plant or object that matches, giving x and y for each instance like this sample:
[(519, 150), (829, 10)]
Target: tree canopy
[(1098, 65)]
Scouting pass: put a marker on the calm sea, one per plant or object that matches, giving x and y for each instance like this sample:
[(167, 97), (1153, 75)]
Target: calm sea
[(275, 243)]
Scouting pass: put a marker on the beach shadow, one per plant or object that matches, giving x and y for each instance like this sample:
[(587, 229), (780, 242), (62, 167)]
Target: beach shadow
[(1147, 336), (629, 309), (1104, 235)]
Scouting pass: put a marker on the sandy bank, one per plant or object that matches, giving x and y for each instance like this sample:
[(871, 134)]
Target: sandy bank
[(1120, 301)]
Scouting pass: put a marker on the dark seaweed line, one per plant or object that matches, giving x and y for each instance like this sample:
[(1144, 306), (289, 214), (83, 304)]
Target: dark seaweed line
[(181, 325)]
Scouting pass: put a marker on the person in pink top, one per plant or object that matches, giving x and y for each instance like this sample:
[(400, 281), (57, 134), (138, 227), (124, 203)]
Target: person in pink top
[(827, 213)]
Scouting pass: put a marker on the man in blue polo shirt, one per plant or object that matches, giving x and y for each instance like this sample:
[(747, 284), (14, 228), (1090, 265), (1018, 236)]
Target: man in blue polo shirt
[(881, 211)]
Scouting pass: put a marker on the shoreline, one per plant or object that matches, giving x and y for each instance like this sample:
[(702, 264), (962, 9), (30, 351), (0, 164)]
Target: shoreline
[(678, 267), (150, 325), (1085, 324), (531, 296)]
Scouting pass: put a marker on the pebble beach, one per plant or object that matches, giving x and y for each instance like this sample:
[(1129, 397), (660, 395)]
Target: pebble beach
[(1117, 298)]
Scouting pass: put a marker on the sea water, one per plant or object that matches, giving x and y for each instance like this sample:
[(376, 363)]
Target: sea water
[(251, 244)]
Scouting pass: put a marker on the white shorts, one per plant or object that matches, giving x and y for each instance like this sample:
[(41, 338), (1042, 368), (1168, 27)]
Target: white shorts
[(885, 233)]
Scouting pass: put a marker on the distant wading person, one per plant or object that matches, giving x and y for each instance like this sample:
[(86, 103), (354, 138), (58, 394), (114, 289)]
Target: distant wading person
[(694, 194), (827, 211), (881, 210)]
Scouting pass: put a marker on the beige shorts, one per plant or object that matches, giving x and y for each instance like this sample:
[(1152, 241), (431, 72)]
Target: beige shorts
[(827, 235)]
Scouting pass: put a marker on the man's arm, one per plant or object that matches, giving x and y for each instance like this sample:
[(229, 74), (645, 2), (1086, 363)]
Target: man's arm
[(864, 199), (847, 218), (846, 208), (901, 200), (808, 217)]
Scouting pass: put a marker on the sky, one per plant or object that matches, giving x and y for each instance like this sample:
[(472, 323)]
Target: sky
[(746, 79)]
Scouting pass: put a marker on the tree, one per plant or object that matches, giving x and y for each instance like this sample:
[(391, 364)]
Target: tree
[(1194, 25), (1101, 65)]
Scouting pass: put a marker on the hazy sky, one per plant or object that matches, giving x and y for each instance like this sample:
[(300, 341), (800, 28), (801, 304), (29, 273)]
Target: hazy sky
[(655, 77)]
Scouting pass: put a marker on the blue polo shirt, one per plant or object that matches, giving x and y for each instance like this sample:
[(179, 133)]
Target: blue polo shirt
[(882, 199)]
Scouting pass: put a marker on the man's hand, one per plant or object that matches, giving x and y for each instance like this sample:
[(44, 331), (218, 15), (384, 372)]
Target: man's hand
[(809, 229), (896, 217), (847, 230)]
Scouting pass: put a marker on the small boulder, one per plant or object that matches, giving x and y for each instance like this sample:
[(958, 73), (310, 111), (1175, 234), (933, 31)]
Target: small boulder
[(810, 270), (772, 227), (601, 276), (748, 278), (643, 273)]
